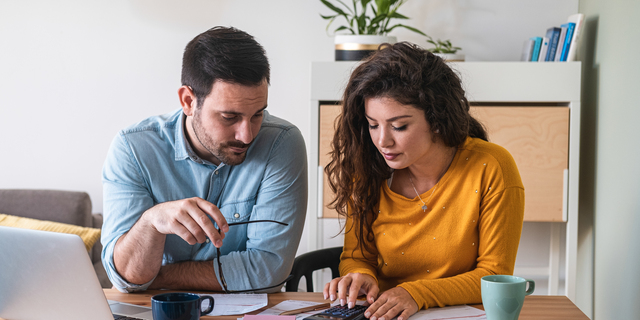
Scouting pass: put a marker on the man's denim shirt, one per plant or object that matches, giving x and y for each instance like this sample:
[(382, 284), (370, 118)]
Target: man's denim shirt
[(151, 163)]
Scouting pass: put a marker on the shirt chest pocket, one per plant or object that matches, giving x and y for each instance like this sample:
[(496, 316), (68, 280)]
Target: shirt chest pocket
[(236, 238), (237, 212)]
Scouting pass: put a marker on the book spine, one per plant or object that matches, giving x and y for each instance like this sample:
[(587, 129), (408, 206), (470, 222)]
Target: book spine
[(563, 34), (543, 49), (553, 34), (578, 19), (567, 41), (527, 50), (537, 42)]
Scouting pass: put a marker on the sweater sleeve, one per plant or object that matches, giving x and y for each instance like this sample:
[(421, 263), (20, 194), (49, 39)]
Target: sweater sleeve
[(352, 259), (500, 225)]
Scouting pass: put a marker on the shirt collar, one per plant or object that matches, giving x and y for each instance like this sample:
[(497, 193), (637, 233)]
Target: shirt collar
[(183, 147)]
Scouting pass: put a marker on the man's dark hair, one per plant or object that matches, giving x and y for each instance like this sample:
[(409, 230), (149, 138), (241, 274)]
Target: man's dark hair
[(225, 54)]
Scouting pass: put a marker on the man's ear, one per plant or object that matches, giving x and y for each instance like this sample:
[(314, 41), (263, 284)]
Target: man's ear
[(187, 100)]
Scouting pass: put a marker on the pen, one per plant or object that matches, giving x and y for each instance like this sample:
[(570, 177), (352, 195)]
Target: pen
[(307, 309)]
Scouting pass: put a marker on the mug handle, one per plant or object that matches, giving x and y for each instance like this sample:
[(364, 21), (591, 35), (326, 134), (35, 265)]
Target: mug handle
[(209, 308), (532, 286)]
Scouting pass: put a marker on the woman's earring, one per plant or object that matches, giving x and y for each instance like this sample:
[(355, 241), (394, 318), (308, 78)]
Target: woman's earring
[(437, 131)]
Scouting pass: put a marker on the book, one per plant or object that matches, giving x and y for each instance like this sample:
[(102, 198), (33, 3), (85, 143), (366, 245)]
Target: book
[(578, 19), (567, 41), (563, 34), (537, 42), (527, 50), (544, 47), (553, 34)]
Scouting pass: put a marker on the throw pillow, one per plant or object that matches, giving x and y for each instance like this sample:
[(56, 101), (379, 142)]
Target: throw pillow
[(89, 235)]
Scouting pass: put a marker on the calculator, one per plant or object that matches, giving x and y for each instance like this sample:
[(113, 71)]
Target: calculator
[(340, 313)]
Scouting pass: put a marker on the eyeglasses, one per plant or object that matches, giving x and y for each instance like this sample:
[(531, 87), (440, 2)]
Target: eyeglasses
[(224, 282)]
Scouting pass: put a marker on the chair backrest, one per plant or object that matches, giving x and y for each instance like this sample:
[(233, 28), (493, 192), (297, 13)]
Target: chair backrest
[(305, 264)]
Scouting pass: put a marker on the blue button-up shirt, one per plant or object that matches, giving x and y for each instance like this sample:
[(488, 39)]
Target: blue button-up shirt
[(151, 162)]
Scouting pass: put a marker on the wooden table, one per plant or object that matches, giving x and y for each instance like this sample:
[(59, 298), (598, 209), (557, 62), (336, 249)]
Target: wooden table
[(535, 307)]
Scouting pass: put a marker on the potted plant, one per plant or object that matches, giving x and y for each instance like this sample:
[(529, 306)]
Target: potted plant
[(368, 24), (445, 50)]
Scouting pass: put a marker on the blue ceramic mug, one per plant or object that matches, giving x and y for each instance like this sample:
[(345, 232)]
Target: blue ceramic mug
[(503, 296), (179, 306)]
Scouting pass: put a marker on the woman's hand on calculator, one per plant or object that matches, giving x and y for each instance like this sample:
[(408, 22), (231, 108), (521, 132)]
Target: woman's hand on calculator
[(391, 303), (352, 285)]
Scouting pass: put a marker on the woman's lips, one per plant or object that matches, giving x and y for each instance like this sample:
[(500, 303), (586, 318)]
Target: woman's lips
[(390, 156)]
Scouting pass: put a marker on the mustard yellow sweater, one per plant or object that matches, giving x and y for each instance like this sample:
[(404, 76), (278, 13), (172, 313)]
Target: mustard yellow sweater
[(471, 229)]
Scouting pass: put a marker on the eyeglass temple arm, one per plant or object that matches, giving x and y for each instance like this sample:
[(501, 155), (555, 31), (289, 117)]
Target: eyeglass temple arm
[(252, 221)]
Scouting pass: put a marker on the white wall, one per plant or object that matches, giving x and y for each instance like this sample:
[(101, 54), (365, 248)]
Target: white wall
[(73, 73), (610, 175)]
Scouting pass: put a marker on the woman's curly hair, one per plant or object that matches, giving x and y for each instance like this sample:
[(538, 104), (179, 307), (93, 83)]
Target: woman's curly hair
[(411, 76)]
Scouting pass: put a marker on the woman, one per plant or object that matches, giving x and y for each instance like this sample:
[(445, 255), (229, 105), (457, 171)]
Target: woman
[(431, 206)]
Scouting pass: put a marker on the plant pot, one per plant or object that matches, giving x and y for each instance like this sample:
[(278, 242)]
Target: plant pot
[(451, 57), (358, 47)]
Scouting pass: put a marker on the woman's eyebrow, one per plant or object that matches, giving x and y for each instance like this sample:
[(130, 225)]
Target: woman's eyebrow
[(390, 119)]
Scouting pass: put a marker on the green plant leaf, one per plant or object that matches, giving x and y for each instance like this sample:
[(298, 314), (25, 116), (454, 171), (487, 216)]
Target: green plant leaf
[(383, 6), (332, 7), (377, 20), (362, 23), (406, 27), (343, 28), (328, 17), (396, 15), (345, 5)]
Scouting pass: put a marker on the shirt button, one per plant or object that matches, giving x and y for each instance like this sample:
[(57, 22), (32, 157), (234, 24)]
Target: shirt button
[(236, 215), (207, 241), (216, 172)]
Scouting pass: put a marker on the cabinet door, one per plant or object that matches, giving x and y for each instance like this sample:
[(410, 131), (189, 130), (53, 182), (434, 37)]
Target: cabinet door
[(538, 140), (328, 115)]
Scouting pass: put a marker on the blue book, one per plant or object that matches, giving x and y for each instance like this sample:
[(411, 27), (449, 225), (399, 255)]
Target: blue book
[(537, 42), (553, 34), (563, 34), (567, 40)]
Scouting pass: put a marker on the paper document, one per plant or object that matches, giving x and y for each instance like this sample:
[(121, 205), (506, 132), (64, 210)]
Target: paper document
[(292, 305), (450, 313), (239, 303)]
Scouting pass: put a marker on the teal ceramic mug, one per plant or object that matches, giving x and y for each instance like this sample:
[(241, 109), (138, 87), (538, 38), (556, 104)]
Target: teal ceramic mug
[(503, 296)]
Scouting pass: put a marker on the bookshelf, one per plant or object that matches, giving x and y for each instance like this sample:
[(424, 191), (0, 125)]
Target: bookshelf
[(531, 109)]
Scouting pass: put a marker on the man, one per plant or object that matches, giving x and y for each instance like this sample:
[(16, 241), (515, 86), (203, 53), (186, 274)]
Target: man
[(170, 181)]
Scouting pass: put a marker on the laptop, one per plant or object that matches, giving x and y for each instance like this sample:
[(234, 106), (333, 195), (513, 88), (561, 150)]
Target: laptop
[(48, 275)]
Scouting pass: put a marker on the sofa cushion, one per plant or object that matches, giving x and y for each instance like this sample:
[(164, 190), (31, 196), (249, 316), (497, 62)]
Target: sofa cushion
[(89, 235), (70, 207)]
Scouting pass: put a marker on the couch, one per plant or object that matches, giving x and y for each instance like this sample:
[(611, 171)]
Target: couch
[(70, 207)]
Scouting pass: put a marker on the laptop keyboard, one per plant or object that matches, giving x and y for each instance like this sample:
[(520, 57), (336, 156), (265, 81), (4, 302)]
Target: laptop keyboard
[(120, 317)]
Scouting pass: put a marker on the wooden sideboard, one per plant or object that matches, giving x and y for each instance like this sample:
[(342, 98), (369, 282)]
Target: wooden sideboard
[(531, 109)]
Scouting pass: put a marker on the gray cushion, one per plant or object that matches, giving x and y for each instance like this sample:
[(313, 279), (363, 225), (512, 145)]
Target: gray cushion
[(53, 205)]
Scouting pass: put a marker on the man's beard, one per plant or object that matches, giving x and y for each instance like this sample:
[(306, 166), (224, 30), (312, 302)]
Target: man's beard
[(221, 151)]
